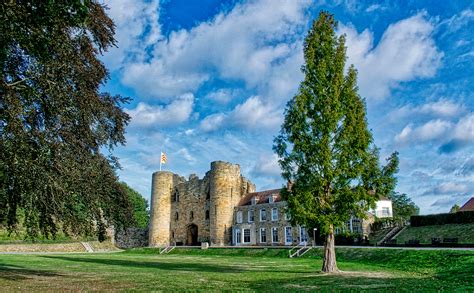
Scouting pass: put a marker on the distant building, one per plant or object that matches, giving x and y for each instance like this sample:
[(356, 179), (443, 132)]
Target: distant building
[(468, 206), (223, 209)]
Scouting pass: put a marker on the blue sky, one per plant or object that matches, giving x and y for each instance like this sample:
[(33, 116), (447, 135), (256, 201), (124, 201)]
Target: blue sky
[(210, 79)]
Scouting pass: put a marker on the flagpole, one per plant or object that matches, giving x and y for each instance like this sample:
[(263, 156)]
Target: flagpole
[(161, 155)]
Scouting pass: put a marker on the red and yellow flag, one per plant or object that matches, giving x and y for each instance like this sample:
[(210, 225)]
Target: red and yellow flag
[(163, 158)]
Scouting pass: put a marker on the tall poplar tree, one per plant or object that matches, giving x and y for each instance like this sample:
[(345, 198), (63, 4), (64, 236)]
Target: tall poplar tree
[(325, 147)]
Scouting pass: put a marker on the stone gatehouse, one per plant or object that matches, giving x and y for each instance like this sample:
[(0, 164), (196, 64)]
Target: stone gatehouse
[(222, 209)]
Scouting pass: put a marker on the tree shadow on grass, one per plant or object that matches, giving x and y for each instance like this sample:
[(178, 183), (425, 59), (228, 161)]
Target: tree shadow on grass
[(198, 267), (16, 273)]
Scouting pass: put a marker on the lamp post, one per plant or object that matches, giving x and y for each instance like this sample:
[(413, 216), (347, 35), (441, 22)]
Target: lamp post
[(314, 236)]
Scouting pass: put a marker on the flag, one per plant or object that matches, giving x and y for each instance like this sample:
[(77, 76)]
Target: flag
[(163, 158)]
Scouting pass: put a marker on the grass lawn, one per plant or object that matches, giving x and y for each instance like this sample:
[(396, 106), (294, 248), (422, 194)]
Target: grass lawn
[(465, 233), (239, 270)]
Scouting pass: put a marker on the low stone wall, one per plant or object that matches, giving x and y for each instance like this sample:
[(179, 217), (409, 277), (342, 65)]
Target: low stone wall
[(40, 247), (131, 238)]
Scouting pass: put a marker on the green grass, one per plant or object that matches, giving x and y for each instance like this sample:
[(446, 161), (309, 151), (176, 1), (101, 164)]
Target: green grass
[(464, 232), (239, 270)]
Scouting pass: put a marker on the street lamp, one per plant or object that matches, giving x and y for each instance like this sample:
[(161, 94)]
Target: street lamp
[(314, 236)]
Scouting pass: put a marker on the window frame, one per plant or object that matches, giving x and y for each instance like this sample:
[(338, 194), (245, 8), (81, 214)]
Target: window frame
[(244, 236), (239, 217), (263, 234), (275, 229), (263, 212), (275, 218), (251, 219)]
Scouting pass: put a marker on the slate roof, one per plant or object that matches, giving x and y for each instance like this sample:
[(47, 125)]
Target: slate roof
[(468, 206), (262, 197)]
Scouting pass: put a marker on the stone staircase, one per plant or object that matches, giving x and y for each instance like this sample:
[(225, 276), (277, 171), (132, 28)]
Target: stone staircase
[(392, 233)]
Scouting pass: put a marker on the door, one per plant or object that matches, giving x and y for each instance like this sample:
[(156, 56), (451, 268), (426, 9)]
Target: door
[(192, 235)]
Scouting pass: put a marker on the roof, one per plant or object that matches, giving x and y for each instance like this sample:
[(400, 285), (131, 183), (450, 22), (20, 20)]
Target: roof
[(261, 196), (468, 206)]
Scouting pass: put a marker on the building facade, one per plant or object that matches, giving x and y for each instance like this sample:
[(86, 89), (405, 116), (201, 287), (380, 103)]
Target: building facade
[(222, 209)]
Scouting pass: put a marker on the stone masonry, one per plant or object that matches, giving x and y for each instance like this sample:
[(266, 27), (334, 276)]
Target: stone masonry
[(187, 212)]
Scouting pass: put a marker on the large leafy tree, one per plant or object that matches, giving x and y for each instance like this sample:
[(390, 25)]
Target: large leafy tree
[(141, 215), (54, 122), (324, 145), (403, 206)]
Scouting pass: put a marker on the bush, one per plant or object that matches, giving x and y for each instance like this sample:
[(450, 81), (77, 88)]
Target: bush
[(348, 239), (441, 219)]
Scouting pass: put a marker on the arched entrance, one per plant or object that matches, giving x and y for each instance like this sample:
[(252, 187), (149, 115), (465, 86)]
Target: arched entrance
[(192, 235)]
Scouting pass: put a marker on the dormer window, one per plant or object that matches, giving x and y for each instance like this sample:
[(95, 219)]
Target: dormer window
[(254, 201), (271, 199)]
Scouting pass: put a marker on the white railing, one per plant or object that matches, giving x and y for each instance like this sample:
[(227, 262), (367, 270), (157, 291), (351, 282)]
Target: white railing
[(299, 250)]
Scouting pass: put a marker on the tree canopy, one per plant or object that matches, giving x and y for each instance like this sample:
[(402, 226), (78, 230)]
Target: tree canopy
[(141, 215), (54, 122), (325, 147), (454, 209), (403, 206)]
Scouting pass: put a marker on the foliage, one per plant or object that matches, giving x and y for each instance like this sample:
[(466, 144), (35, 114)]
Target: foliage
[(403, 206), (324, 146), (53, 120), (140, 207), (454, 209), (441, 219)]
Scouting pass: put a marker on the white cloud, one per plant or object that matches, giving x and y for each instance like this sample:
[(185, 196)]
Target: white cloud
[(453, 135), (441, 108), (137, 27), (431, 130), (246, 44), (184, 153), (255, 113), (178, 111), (450, 188), (405, 52), (267, 165), (251, 114), (459, 20), (212, 122), (221, 96), (375, 7), (464, 129)]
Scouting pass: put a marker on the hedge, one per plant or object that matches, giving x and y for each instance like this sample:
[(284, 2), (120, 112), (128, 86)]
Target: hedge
[(441, 219)]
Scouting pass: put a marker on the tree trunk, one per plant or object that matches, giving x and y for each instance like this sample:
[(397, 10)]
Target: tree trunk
[(329, 261)]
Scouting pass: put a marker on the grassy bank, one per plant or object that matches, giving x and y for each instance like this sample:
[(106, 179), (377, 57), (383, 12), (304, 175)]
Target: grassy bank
[(464, 232), (240, 270)]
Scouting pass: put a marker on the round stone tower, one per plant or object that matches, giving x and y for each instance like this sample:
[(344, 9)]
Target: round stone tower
[(161, 189), (225, 193)]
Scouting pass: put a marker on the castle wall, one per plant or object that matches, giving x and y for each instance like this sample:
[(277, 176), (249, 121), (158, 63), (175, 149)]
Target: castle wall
[(190, 206)]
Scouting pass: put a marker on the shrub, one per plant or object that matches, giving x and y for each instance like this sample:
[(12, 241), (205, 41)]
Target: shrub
[(441, 219)]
